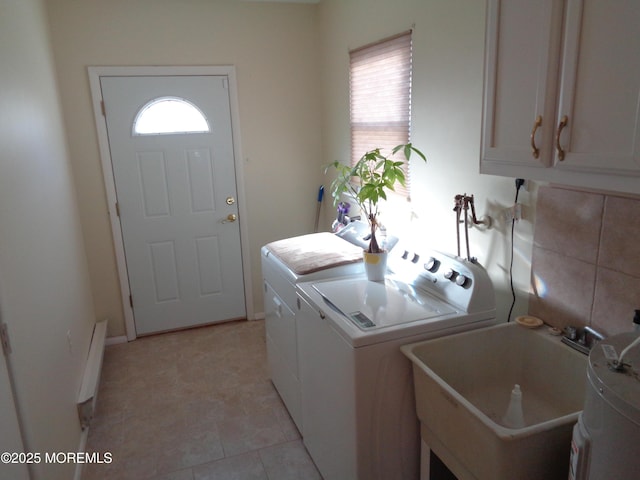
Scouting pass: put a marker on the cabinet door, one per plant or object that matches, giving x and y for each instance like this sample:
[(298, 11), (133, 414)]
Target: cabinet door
[(600, 87), (280, 325), (282, 352), (522, 54)]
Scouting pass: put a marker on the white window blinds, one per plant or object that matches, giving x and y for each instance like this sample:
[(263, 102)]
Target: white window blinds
[(380, 87)]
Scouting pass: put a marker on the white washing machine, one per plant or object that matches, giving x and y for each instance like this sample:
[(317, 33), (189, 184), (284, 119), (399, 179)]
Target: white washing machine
[(606, 439), (358, 407), (285, 263)]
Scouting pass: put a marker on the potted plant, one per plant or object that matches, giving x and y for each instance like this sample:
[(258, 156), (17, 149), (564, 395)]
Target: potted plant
[(368, 182)]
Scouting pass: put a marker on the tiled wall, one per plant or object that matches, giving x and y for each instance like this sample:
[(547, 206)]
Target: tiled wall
[(586, 259)]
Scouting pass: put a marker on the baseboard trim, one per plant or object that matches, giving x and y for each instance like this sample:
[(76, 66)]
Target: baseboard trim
[(116, 340), (82, 446)]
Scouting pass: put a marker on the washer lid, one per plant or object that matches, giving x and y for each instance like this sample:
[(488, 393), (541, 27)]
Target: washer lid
[(375, 305)]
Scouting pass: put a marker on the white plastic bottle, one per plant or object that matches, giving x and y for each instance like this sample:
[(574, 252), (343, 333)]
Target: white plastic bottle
[(514, 418)]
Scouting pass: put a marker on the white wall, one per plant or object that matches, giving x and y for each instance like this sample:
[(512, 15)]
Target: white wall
[(289, 130), (273, 47), (44, 283), (448, 54)]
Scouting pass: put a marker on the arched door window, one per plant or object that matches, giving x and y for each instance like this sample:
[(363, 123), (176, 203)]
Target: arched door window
[(169, 115)]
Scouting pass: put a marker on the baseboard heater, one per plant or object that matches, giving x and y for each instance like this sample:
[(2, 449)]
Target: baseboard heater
[(91, 378)]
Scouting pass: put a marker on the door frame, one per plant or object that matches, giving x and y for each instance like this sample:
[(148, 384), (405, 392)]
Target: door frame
[(95, 72)]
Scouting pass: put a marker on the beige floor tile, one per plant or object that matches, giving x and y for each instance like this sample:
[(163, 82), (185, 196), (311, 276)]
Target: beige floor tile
[(241, 467), (196, 449), (186, 474), (196, 404), (288, 461), (250, 432)]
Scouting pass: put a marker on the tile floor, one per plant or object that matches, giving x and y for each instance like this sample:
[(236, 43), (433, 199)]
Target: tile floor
[(194, 405)]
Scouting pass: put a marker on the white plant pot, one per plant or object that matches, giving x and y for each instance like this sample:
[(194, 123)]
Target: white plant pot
[(375, 265)]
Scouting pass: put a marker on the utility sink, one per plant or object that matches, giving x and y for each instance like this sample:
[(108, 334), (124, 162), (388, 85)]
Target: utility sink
[(463, 387)]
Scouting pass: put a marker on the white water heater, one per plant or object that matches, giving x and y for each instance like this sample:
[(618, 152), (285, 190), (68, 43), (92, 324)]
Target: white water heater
[(607, 436)]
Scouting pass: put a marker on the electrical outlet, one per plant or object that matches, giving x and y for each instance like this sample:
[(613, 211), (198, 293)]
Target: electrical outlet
[(508, 215), (513, 213)]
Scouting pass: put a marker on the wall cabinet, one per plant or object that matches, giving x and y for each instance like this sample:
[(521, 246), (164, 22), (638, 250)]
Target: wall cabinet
[(562, 92)]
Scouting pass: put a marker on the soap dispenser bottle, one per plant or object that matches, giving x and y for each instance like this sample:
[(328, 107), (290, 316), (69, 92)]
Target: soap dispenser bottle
[(514, 418)]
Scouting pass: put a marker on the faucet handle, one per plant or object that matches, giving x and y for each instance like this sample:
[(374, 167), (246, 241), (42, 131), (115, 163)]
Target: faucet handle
[(594, 333), (571, 332), (582, 339)]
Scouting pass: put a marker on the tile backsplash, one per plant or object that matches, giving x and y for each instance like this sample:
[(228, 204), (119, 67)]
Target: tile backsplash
[(586, 259)]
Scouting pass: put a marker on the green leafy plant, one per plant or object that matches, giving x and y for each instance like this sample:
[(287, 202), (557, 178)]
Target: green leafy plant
[(369, 180)]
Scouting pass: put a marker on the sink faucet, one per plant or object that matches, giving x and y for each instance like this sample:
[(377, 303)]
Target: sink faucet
[(583, 339)]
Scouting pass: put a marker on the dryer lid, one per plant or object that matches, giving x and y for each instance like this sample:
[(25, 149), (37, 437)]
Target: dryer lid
[(314, 252)]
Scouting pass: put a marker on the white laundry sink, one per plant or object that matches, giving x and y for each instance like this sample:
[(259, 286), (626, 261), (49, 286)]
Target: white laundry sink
[(463, 386)]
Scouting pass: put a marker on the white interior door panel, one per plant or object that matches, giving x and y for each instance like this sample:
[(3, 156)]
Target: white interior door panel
[(180, 234)]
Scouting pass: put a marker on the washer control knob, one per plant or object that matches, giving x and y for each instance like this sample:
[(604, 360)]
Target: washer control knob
[(450, 275), (415, 258), (462, 280), (432, 264), (405, 255)]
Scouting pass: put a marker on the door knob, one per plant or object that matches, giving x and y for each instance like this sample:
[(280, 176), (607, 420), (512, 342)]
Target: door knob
[(232, 217)]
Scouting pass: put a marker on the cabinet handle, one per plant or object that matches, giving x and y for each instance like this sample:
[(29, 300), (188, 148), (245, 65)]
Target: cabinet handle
[(563, 123), (535, 151)]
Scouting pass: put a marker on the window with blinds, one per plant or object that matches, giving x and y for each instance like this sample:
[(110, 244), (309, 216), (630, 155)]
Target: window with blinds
[(380, 93)]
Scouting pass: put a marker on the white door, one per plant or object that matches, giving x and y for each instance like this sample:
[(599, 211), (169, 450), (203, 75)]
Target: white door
[(175, 182)]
